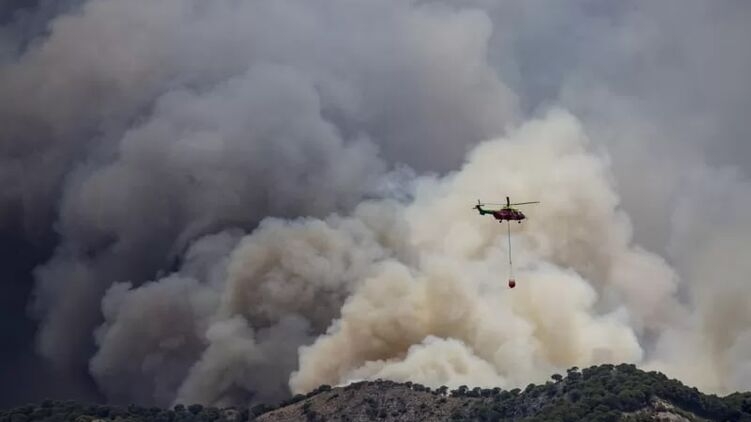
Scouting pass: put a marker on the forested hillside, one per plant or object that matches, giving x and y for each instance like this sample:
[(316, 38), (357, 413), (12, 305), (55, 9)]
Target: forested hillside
[(598, 393)]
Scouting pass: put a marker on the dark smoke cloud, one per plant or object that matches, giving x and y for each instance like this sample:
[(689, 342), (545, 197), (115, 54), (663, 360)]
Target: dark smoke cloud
[(137, 128), (141, 143)]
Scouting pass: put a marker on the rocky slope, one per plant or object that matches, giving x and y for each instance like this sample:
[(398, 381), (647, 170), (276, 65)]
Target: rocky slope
[(602, 393)]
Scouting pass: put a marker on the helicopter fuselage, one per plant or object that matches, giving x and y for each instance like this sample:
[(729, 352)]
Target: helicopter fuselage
[(510, 214), (506, 213)]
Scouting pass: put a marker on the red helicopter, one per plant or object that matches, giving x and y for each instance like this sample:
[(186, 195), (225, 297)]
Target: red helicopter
[(506, 213), (509, 214)]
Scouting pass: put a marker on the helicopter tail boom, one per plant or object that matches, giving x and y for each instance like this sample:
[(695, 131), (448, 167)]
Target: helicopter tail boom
[(478, 207)]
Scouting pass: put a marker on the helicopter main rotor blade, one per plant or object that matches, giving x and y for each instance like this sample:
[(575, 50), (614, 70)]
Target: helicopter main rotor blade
[(525, 203)]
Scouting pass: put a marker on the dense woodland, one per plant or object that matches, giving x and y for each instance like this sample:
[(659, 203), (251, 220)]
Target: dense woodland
[(598, 393)]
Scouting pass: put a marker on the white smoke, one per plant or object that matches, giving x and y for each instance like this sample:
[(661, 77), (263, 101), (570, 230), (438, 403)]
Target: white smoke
[(456, 290)]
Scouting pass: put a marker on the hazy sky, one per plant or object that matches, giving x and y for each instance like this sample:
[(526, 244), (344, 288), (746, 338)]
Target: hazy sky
[(190, 187)]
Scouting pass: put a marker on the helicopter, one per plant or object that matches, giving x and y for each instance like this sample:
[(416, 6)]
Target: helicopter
[(509, 214), (506, 213)]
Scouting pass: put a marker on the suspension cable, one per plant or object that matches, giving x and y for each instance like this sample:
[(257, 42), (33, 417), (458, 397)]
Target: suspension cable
[(510, 264)]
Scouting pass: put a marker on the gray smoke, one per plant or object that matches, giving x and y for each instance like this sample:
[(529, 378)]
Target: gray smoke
[(243, 190), (196, 122)]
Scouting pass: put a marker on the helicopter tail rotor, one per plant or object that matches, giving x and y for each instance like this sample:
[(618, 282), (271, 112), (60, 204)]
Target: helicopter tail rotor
[(478, 207)]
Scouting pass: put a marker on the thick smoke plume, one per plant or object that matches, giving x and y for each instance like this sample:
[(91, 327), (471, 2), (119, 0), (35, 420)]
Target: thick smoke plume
[(250, 199)]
